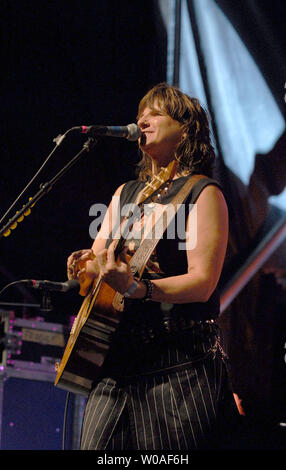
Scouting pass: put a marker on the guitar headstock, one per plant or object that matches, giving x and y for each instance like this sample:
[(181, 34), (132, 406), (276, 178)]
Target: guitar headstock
[(158, 180)]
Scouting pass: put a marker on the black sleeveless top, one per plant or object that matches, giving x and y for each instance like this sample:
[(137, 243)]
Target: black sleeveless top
[(169, 259), (153, 336)]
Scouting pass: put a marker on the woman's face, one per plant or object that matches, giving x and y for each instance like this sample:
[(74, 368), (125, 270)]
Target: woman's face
[(161, 134)]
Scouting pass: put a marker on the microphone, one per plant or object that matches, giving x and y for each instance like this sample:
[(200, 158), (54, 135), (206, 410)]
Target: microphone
[(131, 131), (72, 284)]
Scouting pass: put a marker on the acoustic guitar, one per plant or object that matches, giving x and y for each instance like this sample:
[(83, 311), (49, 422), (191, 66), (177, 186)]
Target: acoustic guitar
[(99, 316)]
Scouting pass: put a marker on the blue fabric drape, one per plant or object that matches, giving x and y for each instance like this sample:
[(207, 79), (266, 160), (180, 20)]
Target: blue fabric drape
[(247, 118)]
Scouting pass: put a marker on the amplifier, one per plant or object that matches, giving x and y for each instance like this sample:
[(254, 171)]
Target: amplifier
[(31, 407), (30, 348)]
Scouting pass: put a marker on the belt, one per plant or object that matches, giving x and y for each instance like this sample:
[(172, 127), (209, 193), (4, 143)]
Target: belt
[(177, 324), (168, 327)]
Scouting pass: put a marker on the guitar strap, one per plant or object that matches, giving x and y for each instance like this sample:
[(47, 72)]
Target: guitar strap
[(148, 245)]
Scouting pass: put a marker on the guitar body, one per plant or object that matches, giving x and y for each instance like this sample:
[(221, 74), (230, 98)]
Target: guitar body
[(89, 339)]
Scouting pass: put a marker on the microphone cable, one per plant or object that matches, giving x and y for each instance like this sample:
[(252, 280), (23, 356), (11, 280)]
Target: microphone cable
[(65, 421), (58, 141), (23, 281)]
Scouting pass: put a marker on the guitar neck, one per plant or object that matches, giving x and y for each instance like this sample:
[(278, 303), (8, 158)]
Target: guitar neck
[(148, 245)]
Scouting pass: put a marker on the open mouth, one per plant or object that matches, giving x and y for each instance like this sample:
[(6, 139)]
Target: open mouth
[(142, 140), (144, 136)]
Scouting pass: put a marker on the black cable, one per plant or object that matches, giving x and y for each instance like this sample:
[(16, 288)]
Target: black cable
[(65, 421), (58, 140), (31, 181), (22, 281)]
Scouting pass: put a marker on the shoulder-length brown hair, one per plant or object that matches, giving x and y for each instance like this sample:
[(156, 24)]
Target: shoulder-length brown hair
[(195, 153)]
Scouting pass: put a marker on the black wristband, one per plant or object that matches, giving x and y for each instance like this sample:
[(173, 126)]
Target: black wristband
[(149, 290)]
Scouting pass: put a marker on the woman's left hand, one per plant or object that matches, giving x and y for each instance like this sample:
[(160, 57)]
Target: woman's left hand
[(117, 274)]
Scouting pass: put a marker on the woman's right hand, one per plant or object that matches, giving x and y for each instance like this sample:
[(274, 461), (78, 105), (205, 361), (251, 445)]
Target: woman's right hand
[(82, 265)]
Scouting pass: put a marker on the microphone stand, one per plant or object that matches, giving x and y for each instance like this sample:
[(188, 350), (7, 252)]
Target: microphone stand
[(44, 189), (46, 306)]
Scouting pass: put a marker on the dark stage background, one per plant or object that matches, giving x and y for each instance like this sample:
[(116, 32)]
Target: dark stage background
[(68, 63)]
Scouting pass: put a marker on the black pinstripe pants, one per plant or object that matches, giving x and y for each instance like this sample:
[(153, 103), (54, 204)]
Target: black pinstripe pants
[(174, 408)]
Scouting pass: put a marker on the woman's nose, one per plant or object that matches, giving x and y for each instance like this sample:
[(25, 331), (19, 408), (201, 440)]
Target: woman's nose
[(143, 123)]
